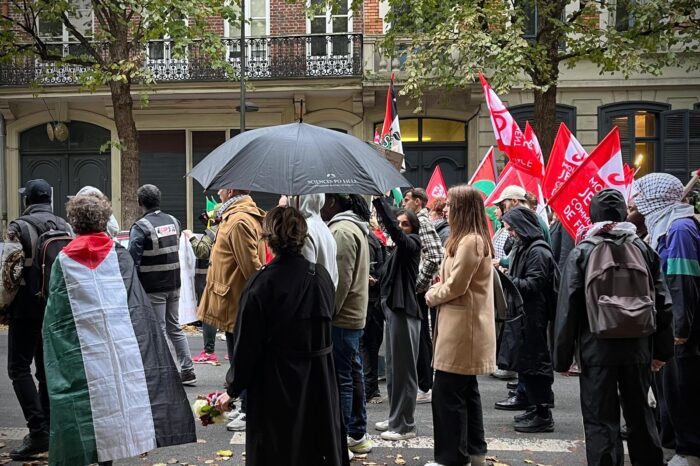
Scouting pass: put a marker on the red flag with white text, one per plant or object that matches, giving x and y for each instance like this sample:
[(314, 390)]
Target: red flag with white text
[(511, 175), (566, 156), (436, 185), (600, 170), (521, 148)]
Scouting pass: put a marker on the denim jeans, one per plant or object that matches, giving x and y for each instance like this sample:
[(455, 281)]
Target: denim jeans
[(351, 386), (165, 305), (209, 336)]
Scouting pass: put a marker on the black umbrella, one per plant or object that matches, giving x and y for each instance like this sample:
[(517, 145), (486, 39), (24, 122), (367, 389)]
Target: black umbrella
[(296, 159)]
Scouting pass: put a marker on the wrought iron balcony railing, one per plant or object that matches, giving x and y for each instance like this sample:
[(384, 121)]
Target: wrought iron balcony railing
[(290, 57)]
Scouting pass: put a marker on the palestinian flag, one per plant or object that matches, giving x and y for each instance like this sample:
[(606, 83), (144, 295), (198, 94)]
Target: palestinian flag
[(486, 175), (391, 132), (484, 179), (113, 386)]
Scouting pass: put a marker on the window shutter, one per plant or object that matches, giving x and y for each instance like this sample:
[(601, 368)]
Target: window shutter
[(564, 114), (680, 142)]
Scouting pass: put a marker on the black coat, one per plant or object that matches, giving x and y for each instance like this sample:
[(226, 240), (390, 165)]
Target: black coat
[(283, 357), (572, 331), (562, 243), (401, 270), (532, 271), (377, 258), (443, 230)]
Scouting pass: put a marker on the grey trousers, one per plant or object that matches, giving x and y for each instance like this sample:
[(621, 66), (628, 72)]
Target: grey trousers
[(165, 305), (402, 343)]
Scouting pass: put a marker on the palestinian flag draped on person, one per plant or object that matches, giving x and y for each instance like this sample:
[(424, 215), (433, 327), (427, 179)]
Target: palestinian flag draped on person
[(114, 389)]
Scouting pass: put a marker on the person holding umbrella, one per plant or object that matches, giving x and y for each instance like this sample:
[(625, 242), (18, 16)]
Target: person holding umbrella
[(348, 218)]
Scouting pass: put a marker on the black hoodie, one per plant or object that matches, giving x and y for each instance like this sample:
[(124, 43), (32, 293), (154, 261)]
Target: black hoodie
[(532, 271)]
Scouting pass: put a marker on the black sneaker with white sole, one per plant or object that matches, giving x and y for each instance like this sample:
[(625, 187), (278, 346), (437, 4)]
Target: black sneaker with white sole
[(188, 378)]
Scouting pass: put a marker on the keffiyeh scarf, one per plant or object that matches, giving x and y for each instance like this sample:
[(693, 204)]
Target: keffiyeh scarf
[(659, 198), (228, 204)]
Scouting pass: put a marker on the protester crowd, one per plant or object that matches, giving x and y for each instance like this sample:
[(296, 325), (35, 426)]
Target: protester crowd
[(308, 292)]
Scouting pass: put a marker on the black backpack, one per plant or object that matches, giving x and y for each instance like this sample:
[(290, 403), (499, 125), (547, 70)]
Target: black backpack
[(52, 237)]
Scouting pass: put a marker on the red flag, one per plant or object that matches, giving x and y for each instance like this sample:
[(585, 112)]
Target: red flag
[(485, 177), (436, 185), (511, 175), (566, 156), (521, 149), (600, 170)]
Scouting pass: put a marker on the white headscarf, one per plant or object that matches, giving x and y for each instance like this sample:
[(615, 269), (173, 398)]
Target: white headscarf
[(658, 198), (112, 224)]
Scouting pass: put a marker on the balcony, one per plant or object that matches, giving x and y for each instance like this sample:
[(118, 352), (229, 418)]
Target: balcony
[(267, 58)]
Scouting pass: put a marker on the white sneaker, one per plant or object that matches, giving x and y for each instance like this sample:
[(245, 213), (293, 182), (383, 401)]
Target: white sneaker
[(424, 397), (684, 460), (233, 414), (395, 436), (237, 425), (351, 455), (364, 445), (382, 426)]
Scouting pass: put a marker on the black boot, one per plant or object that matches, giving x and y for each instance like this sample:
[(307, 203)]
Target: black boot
[(32, 445), (541, 422)]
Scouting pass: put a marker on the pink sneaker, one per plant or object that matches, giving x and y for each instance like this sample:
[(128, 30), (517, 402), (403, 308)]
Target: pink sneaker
[(205, 358)]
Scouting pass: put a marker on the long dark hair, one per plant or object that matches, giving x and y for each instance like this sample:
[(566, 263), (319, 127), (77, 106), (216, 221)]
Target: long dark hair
[(412, 219), (467, 215)]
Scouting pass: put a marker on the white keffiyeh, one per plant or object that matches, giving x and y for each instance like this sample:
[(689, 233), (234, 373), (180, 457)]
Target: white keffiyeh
[(659, 198)]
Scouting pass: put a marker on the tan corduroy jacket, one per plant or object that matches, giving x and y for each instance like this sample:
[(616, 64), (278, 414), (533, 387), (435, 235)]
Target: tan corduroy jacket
[(239, 251), (465, 334)]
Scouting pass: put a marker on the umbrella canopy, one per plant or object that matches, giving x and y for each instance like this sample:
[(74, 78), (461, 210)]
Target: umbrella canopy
[(297, 158)]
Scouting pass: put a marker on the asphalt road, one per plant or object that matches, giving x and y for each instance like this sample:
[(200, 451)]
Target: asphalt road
[(564, 446)]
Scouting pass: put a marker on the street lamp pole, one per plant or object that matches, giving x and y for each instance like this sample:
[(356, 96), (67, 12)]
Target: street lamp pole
[(243, 57)]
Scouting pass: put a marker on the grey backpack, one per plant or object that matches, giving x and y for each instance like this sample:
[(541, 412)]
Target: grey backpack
[(619, 289)]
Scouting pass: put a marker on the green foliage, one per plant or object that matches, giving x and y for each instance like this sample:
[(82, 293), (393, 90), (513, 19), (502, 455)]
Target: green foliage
[(444, 43), (116, 51)]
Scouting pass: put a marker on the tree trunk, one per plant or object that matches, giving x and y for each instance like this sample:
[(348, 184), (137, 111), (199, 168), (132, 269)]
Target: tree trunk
[(546, 119), (129, 141)]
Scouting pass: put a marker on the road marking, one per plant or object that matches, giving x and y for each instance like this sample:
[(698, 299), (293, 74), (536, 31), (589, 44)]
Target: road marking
[(501, 444), (13, 433)]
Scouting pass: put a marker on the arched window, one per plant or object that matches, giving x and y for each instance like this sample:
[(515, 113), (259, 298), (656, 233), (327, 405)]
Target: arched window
[(428, 142), (565, 114), (639, 131)]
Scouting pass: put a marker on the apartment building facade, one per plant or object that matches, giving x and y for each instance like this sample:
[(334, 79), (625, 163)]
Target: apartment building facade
[(328, 69)]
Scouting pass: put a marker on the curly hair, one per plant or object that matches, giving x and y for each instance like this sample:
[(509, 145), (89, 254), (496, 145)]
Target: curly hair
[(89, 213), (285, 230), (438, 206)]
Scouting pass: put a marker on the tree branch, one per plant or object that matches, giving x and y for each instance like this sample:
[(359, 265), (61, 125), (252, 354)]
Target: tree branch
[(89, 46)]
